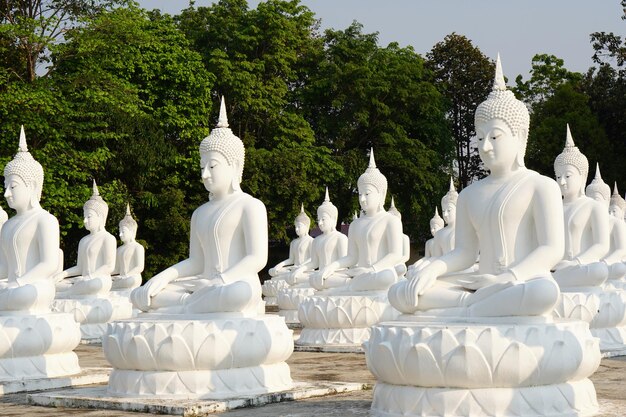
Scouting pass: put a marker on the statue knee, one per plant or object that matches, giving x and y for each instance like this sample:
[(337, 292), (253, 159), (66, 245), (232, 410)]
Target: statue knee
[(541, 296), (22, 298), (598, 273), (617, 270), (397, 298)]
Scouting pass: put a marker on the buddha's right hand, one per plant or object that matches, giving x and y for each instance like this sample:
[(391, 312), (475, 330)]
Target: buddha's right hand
[(143, 295), (418, 285), (316, 280), (292, 277)]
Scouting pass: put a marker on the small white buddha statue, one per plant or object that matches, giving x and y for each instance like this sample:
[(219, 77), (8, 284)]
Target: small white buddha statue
[(430, 249), (406, 241), (617, 251), (327, 247), (374, 243), (586, 223), (30, 240), (91, 276), (228, 241), (299, 248), (130, 256), (513, 218), (3, 217), (444, 238)]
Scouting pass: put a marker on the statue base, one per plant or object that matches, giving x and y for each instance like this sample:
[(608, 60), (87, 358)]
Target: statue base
[(93, 314), (270, 301), (342, 319), (289, 299), (210, 356), (473, 368), (38, 346)]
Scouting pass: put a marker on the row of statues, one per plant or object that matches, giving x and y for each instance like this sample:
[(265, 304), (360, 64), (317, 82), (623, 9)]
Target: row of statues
[(447, 334)]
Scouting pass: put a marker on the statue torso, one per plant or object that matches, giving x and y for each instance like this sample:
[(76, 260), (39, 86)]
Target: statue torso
[(370, 236), (92, 251), (578, 226), (126, 257), (328, 248), (300, 249)]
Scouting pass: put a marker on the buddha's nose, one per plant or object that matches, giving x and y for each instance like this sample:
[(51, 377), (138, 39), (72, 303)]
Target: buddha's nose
[(485, 144), (7, 193), (205, 172)]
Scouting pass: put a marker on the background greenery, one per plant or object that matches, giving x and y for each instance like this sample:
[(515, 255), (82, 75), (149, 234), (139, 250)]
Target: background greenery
[(110, 91)]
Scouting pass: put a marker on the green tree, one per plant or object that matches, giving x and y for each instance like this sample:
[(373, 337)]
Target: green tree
[(547, 74), (362, 96), (464, 76)]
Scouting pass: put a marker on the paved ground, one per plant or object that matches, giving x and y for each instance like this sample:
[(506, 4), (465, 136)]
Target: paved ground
[(609, 381)]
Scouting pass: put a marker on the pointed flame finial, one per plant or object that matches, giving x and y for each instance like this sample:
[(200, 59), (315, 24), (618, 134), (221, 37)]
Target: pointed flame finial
[(355, 216), (615, 191), (222, 121), (372, 163), (23, 147), (436, 212), (498, 81), (301, 207), (569, 141), (128, 209), (452, 184), (598, 176), (95, 188), (393, 203), (326, 197)]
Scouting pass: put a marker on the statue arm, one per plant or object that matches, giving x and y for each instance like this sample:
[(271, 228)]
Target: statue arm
[(395, 243), (139, 264), (601, 236), (254, 223), (349, 259), (48, 241), (549, 228), (4, 269), (108, 258)]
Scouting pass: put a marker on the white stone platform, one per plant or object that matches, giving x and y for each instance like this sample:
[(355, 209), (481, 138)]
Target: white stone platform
[(87, 376), (98, 397)]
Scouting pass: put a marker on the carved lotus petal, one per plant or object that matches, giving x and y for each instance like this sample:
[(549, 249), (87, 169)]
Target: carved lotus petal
[(562, 358), (249, 349), (443, 342), (451, 405), (6, 343), (467, 367), (139, 355), (214, 353), (339, 317), (113, 351), (385, 368), (174, 355), (420, 367), (517, 366), (30, 342), (591, 357)]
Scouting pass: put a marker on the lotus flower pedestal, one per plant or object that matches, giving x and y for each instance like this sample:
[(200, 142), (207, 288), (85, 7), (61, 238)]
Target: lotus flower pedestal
[(289, 300)]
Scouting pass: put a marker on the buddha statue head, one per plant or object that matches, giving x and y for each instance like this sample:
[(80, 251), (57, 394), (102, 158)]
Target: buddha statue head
[(393, 210), (23, 179), (448, 203), (372, 186), (302, 223), (571, 169), (617, 206), (598, 189), (436, 223), (95, 210), (327, 215), (128, 226), (222, 157), (502, 123)]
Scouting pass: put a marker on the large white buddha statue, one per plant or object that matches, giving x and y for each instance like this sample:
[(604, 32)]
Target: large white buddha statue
[(204, 333), (483, 342), (299, 254), (430, 249), (130, 256), (352, 290), (586, 223), (35, 342), (510, 217), (406, 241), (91, 276), (617, 252), (374, 243)]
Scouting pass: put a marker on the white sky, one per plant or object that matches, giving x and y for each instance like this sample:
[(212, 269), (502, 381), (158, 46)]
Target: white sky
[(517, 29)]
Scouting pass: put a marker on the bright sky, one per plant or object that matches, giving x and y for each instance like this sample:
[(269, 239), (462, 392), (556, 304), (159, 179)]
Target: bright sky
[(516, 29)]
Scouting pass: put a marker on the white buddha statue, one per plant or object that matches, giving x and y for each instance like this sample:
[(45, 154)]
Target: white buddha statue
[(228, 241), (36, 343), (444, 239), (374, 243), (130, 256), (513, 218), (299, 248), (3, 217), (326, 248), (406, 241), (430, 249), (30, 239), (586, 223), (617, 251), (91, 276), (204, 334)]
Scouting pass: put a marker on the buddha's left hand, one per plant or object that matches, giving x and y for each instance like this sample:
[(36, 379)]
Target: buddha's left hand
[(475, 282), (354, 272)]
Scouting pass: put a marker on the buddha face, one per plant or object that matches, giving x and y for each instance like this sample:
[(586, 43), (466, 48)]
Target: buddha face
[(127, 235), (449, 213), (369, 199), (326, 223), (597, 195), (434, 228), (497, 146), (93, 222), (217, 174), (570, 181), (615, 211), (17, 193), (301, 229)]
